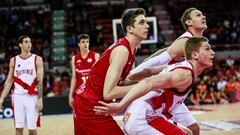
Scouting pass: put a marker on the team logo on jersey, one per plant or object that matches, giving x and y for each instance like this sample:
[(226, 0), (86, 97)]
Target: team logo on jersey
[(78, 61), (89, 60)]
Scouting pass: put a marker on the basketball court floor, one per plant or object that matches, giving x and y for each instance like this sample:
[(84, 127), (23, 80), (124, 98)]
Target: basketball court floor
[(221, 119)]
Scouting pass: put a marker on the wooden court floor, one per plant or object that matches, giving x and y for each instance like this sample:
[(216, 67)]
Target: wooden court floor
[(214, 120)]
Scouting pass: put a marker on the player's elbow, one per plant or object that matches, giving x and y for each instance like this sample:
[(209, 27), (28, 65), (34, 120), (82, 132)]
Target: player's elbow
[(107, 96)]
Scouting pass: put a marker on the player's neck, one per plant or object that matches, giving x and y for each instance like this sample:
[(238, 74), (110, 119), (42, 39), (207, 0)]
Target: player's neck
[(197, 68), (196, 32), (25, 54), (84, 54), (133, 41)]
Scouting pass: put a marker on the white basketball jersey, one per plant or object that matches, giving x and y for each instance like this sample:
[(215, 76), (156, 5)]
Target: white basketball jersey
[(187, 34), (25, 72), (165, 100)]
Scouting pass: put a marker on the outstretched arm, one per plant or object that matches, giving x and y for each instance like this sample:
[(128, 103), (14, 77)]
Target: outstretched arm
[(146, 73), (160, 81), (156, 54)]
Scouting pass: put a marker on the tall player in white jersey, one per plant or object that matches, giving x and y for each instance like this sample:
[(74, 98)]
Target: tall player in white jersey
[(194, 22), (26, 73), (151, 114)]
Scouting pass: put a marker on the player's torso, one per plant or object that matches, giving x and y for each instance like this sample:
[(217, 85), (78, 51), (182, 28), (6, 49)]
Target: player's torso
[(83, 66), (25, 70), (163, 101)]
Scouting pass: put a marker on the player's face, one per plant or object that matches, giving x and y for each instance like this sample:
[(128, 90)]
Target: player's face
[(26, 45), (140, 28), (205, 55), (84, 44), (198, 20)]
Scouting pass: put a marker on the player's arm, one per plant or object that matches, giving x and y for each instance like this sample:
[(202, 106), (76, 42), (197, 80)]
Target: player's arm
[(73, 83), (118, 60), (8, 83), (156, 54), (40, 71), (176, 49), (160, 81), (146, 73)]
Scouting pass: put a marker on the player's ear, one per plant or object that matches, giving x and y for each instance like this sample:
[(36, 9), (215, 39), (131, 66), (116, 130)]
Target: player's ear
[(129, 29), (189, 22), (195, 55)]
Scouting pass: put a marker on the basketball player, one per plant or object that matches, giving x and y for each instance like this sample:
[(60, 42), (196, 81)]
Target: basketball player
[(194, 22), (107, 73), (81, 65), (26, 73), (151, 114)]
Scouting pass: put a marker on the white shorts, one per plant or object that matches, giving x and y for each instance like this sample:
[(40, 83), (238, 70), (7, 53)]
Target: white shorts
[(25, 111), (182, 115), (135, 122)]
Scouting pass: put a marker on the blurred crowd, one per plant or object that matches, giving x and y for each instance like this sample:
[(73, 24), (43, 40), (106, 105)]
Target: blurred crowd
[(218, 85)]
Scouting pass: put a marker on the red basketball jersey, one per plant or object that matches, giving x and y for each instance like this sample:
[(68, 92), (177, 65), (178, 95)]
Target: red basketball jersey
[(83, 66), (93, 91)]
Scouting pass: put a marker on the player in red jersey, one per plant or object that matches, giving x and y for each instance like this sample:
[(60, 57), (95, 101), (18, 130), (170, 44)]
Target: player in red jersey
[(151, 114), (106, 75), (82, 62), (26, 73)]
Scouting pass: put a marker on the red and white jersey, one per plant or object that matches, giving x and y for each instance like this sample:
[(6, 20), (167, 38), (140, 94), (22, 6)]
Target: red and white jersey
[(187, 35), (83, 66), (164, 101), (24, 75)]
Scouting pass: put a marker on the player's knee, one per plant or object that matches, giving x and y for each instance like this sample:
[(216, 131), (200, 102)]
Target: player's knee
[(32, 132), (19, 131), (195, 128)]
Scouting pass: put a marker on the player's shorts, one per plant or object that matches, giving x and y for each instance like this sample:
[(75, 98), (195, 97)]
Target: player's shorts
[(140, 119), (25, 110), (89, 124), (182, 115)]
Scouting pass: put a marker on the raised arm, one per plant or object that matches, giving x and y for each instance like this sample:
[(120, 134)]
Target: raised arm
[(40, 71), (8, 83)]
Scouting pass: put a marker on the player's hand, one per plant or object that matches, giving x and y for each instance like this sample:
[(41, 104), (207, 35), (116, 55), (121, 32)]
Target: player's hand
[(40, 105), (107, 108), (70, 101)]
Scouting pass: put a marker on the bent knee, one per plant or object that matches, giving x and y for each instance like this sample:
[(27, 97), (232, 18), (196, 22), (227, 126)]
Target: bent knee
[(195, 128)]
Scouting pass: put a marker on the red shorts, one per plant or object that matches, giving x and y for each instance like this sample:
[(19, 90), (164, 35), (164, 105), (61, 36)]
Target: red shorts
[(86, 123)]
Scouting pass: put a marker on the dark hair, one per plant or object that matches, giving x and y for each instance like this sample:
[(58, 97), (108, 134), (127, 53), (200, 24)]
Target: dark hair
[(186, 16), (82, 36), (129, 15), (20, 39), (192, 45)]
